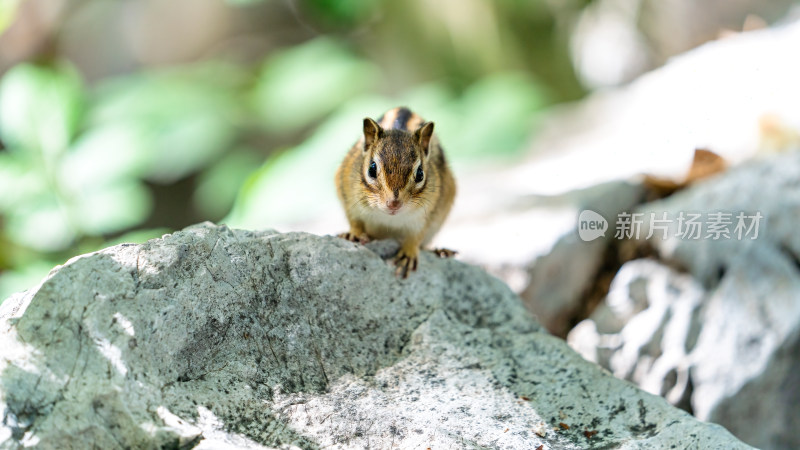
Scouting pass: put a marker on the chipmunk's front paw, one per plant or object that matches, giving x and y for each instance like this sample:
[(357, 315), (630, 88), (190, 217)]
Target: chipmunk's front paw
[(353, 237), (444, 252), (406, 262)]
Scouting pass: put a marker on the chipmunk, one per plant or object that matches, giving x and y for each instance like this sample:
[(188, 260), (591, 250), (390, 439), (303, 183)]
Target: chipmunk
[(395, 183)]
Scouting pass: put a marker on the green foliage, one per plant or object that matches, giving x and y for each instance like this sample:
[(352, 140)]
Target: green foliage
[(40, 110), (7, 10), (299, 86), (218, 186), (494, 118), (243, 2), (170, 123), (24, 277), (341, 12), (75, 170), (491, 120), (39, 114), (297, 183), (85, 166)]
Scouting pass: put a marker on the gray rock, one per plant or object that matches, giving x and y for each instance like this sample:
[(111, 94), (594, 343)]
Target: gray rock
[(220, 338), (614, 135), (645, 329), (559, 281), (717, 329)]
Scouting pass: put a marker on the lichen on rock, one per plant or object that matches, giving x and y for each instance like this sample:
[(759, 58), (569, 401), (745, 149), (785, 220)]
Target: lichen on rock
[(212, 337)]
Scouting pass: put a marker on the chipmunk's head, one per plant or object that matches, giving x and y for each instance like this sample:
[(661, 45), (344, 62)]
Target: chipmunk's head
[(394, 171)]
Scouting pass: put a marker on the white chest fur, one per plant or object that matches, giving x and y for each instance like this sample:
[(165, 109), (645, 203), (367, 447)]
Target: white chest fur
[(379, 225)]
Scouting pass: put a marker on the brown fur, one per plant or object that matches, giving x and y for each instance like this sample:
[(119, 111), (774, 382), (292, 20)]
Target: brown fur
[(396, 142)]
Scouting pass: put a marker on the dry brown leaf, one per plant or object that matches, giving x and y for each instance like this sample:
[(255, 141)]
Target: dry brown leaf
[(705, 164)]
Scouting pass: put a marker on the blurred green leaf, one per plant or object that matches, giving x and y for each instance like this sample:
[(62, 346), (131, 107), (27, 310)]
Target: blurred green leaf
[(41, 224), (428, 100), (299, 86), (163, 94), (18, 182), (297, 184), (342, 12), (103, 156), (7, 10), (39, 110), (218, 185), (187, 144), (24, 277), (494, 119), (182, 119), (113, 208), (243, 2)]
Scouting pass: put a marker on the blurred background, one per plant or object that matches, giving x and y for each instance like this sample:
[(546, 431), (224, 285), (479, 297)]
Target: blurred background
[(124, 120)]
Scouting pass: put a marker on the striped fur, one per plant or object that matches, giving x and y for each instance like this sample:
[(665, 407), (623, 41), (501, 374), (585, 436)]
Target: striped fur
[(396, 143)]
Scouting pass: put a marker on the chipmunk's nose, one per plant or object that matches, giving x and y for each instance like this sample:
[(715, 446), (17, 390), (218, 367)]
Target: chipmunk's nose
[(393, 204)]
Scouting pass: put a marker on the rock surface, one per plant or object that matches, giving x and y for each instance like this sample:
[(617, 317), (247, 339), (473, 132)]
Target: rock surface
[(559, 282), (215, 338), (715, 326)]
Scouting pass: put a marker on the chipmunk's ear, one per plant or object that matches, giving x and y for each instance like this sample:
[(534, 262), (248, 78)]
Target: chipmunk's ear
[(372, 132), (423, 136)]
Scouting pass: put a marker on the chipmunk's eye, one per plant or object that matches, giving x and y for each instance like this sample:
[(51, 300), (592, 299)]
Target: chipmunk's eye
[(373, 170), (419, 175)]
